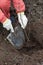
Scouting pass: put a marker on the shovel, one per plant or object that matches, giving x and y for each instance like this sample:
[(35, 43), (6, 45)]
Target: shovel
[(17, 38)]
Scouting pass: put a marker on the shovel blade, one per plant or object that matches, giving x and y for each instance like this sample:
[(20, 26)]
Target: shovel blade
[(17, 39)]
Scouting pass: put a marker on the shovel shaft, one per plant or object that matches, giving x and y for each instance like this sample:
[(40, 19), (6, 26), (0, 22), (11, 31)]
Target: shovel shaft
[(26, 35)]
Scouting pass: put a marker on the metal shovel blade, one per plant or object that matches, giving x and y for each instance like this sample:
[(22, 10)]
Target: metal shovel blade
[(17, 39)]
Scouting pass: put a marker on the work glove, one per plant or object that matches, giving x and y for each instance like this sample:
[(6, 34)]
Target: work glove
[(7, 25), (22, 19)]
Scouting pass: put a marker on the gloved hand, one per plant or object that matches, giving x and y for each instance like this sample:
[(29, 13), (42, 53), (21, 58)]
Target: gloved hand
[(22, 19), (7, 24)]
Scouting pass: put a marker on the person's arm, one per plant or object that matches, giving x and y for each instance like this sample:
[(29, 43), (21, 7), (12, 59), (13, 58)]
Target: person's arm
[(20, 9), (19, 5), (5, 21), (2, 17)]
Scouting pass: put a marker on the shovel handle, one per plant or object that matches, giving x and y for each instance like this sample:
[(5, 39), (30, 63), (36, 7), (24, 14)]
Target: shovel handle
[(26, 35)]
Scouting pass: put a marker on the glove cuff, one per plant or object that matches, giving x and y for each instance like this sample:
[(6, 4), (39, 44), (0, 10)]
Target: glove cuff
[(6, 21), (20, 13)]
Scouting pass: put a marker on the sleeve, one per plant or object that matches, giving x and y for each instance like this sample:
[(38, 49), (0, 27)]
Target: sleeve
[(19, 5), (2, 16)]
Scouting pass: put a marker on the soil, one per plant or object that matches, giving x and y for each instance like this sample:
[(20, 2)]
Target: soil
[(32, 52)]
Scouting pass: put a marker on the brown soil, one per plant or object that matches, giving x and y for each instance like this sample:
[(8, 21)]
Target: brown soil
[(33, 54)]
